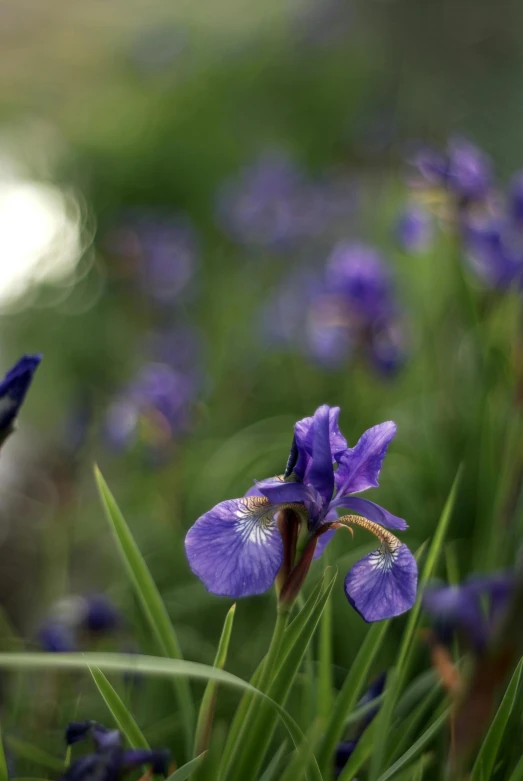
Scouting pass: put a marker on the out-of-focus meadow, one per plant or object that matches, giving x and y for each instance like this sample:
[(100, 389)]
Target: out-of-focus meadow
[(214, 219)]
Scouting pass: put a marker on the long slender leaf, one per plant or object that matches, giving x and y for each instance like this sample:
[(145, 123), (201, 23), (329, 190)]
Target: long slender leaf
[(186, 770), (325, 684), (349, 693), (271, 772), (144, 665), (517, 773), (302, 757), (488, 752), (205, 716), (360, 754), (34, 754), (150, 600), (416, 747), (405, 650), (121, 715), (260, 725), (292, 632)]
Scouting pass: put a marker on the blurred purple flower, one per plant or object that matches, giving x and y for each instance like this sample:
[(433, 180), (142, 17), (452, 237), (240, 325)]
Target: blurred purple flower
[(160, 250), (388, 346), (109, 761), (471, 609), (414, 229), (153, 409), (464, 169), (73, 615), (494, 250), (269, 204), (346, 748), (515, 199), (358, 274)]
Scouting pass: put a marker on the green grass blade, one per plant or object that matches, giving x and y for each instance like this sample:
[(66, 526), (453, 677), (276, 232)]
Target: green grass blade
[(517, 773), (405, 650), (302, 757), (205, 716), (186, 770), (325, 682), (349, 693), (260, 724), (150, 600), (124, 721), (408, 728), (416, 747), (292, 632), (34, 754), (488, 752), (360, 754), (142, 665), (271, 772)]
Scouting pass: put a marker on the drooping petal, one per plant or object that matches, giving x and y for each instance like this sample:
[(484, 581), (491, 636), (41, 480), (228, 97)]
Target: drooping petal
[(236, 549), (320, 473), (371, 511), (360, 465), (383, 584)]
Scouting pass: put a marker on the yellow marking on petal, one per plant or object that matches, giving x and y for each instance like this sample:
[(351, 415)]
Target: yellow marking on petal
[(384, 535)]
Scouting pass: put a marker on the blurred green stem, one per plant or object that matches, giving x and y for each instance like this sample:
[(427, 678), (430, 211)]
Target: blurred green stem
[(274, 650)]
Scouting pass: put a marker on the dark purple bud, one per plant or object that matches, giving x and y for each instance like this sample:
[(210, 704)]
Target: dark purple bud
[(101, 615), (13, 389), (77, 730)]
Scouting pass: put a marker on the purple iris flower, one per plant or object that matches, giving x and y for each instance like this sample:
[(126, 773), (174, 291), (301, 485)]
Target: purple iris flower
[(153, 409), (358, 275), (13, 389), (238, 548), (471, 609), (515, 199), (69, 617), (109, 761), (270, 204), (414, 229), (161, 250), (463, 169), (494, 250)]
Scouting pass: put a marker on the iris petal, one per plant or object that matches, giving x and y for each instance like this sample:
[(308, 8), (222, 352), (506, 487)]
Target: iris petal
[(360, 465), (321, 473), (383, 584), (236, 549), (303, 432), (371, 511)]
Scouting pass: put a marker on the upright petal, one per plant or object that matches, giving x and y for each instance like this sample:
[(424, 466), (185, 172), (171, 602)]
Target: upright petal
[(360, 465), (320, 473), (236, 549), (303, 432), (371, 511), (326, 537), (383, 584)]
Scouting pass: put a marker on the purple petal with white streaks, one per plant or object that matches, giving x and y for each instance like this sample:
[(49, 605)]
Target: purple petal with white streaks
[(383, 584), (236, 549)]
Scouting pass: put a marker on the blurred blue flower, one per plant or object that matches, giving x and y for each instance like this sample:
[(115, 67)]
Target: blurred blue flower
[(414, 229), (463, 169), (515, 199), (494, 249), (269, 204), (237, 548), (154, 409), (109, 761), (160, 252), (69, 618), (358, 274), (472, 609), (13, 389)]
